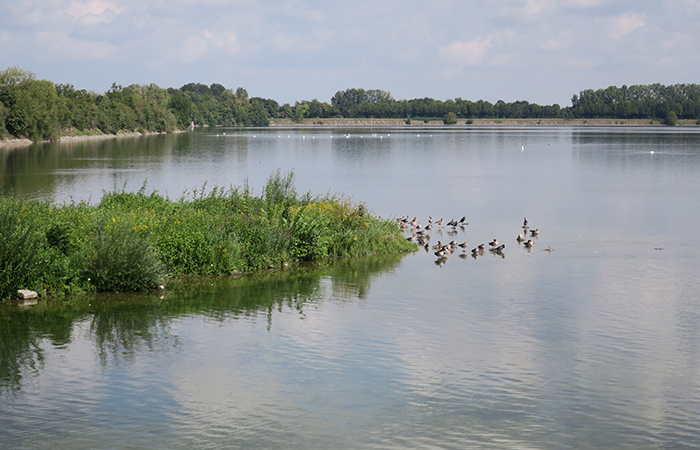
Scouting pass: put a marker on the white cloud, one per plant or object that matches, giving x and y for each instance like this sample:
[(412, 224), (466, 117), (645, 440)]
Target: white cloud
[(579, 63), (299, 43), (533, 9), (61, 46), (195, 46), (470, 53), (678, 41), (583, 4), (624, 24), (556, 43), (95, 11)]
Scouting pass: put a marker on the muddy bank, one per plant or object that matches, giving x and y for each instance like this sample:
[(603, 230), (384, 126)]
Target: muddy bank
[(87, 137)]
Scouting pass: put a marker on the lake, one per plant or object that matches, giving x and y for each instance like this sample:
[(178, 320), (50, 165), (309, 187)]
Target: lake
[(594, 344)]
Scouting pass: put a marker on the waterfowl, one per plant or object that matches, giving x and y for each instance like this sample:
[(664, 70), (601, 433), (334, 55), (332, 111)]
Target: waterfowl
[(493, 243), (463, 245), (525, 222), (535, 232), (481, 246), (520, 238), (529, 243)]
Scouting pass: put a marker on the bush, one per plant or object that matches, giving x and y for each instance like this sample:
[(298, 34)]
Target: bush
[(20, 248), (450, 118), (119, 258), (671, 119)]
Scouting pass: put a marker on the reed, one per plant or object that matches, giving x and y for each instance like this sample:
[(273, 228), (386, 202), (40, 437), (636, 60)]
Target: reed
[(134, 241)]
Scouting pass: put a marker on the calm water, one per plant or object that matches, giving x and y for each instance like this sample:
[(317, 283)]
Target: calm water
[(595, 344)]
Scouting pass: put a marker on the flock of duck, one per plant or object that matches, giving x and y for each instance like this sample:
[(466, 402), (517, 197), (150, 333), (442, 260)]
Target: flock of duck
[(421, 235)]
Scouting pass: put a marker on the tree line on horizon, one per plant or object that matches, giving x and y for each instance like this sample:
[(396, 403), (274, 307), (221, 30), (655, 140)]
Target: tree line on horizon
[(41, 110)]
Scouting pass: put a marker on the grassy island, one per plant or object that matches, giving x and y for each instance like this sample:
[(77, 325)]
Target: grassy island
[(134, 241)]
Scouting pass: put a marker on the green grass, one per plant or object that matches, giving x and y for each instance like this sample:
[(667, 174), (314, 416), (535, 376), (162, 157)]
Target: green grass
[(133, 241)]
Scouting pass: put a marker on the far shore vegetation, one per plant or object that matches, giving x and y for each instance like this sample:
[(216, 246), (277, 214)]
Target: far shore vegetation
[(40, 110), (134, 241)]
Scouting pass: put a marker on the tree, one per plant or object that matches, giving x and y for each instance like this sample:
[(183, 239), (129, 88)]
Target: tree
[(450, 118), (671, 119), (300, 111), (241, 93)]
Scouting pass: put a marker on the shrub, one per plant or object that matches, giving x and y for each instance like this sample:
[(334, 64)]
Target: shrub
[(119, 258), (20, 248), (671, 119), (450, 118)]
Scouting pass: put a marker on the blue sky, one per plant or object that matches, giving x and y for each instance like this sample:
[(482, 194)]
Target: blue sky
[(543, 51)]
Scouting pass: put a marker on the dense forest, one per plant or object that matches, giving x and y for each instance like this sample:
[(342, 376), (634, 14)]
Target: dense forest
[(41, 110)]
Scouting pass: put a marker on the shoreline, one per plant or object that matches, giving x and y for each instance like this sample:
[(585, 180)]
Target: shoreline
[(480, 122), (85, 137), (364, 122)]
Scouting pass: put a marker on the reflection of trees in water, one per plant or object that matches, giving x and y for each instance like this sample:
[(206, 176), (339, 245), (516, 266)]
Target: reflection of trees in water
[(22, 333), (124, 325)]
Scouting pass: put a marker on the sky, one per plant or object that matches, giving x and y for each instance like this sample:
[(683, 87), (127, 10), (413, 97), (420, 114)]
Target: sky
[(541, 51)]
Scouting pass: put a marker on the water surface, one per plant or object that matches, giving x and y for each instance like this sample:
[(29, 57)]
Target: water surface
[(595, 344)]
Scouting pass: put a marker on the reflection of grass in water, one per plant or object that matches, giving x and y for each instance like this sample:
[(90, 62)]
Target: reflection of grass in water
[(123, 324)]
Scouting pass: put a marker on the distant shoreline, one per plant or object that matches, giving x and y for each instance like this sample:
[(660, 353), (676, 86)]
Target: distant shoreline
[(342, 122), (85, 137), (478, 122)]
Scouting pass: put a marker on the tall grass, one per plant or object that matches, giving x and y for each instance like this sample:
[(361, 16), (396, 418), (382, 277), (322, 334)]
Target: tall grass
[(134, 240)]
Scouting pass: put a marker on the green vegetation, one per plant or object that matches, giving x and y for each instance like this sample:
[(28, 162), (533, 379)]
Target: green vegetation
[(40, 110), (671, 119), (450, 118), (133, 241)]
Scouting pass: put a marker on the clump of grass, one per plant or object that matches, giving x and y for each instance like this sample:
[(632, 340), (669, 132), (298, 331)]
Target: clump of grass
[(119, 258), (134, 240), (20, 247)]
